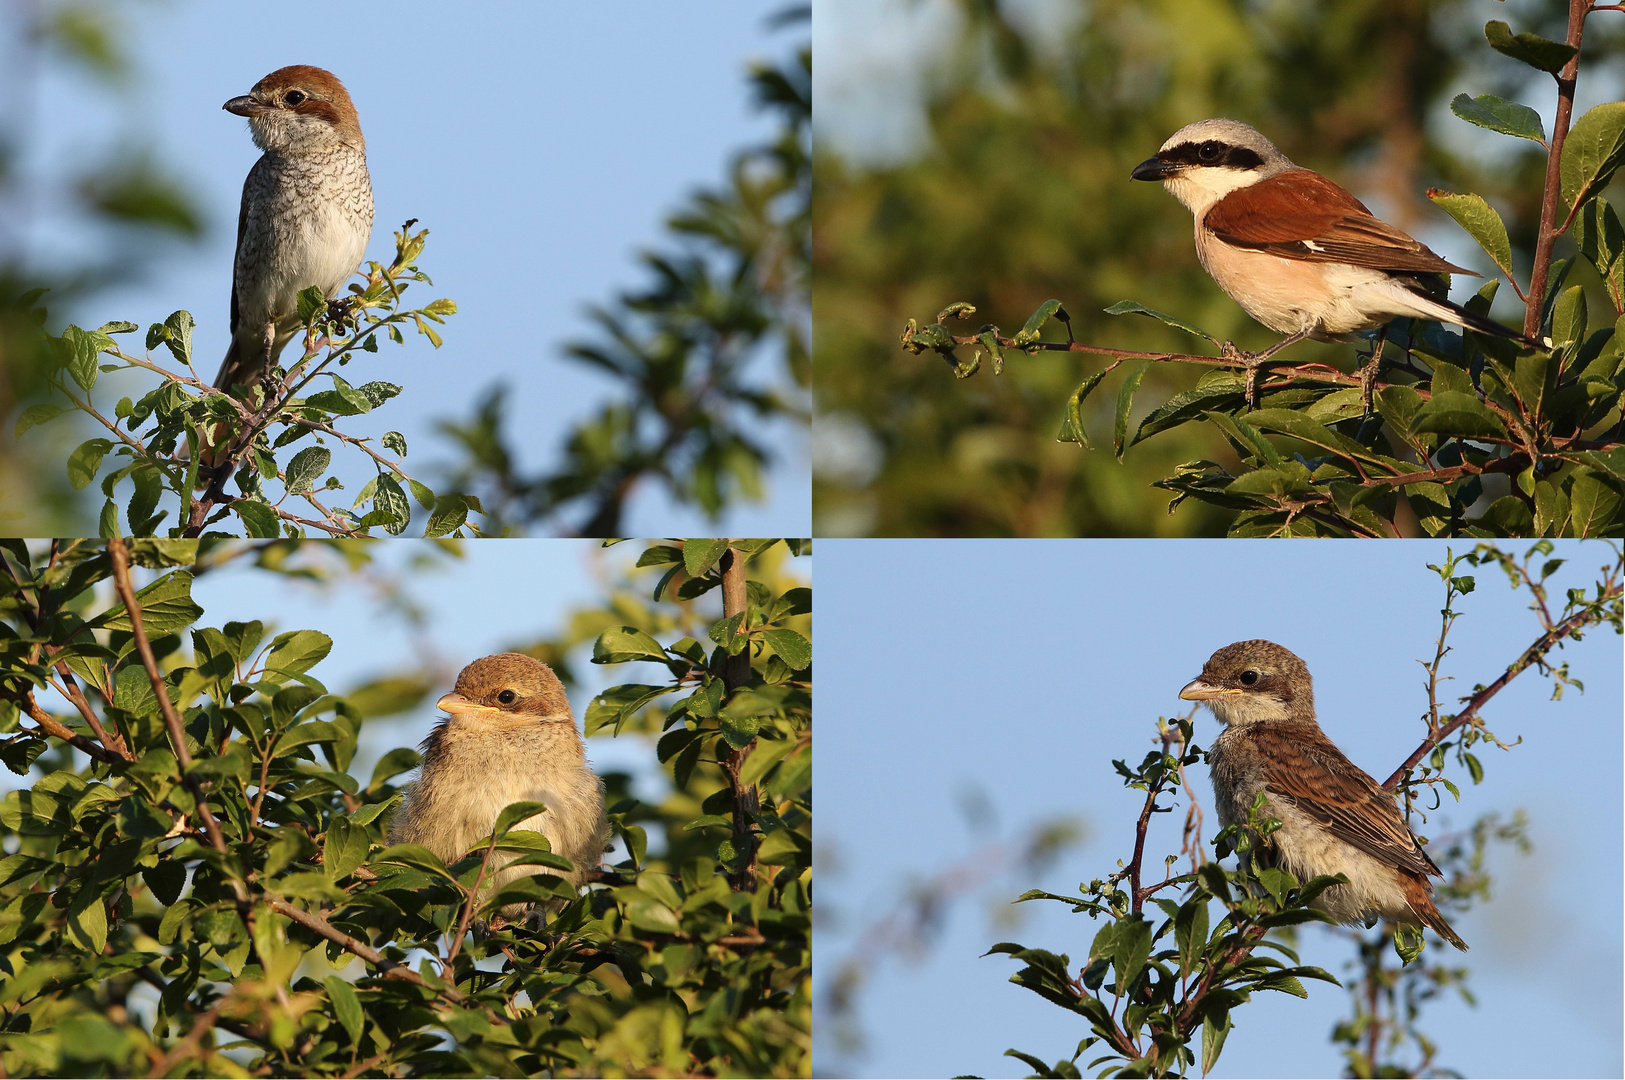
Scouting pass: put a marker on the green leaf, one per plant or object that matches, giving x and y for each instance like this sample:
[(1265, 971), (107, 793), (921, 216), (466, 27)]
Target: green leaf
[(620, 644), (87, 921), (1129, 307), (1125, 402), (295, 652), (345, 848), (86, 461), (165, 880), (259, 519), (1072, 425), (1450, 412), (307, 465), (1594, 504), (310, 302), (388, 498), (1029, 333), (700, 555), (84, 347), (1499, 114), (514, 813), (166, 604), (395, 441), (346, 1006), (450, 513), (793, 649), (34, 416), (1527, 48), (177, 336), (1482, 223), (1592, 151)]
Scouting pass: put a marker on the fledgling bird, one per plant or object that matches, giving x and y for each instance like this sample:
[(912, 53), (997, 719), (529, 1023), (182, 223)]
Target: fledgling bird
[(509, 737), (1296, 251), (306, 214), (1334, 818)]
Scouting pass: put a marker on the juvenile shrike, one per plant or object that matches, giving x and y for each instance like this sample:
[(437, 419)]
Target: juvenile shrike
[(509, 737), (1334, 818), (1296, 251)]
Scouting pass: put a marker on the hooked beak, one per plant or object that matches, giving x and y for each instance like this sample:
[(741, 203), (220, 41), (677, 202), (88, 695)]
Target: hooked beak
[(245, 106), (1197, 690), (1153, 169), (456, 703)]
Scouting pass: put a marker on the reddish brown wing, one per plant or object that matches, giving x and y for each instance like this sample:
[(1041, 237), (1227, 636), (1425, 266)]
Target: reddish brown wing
[(1291, 211), (1305, 768)]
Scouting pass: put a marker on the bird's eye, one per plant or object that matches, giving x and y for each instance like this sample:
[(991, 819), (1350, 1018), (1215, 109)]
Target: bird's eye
[(1210, 151), (1249, 677), (294, 97), (507, 697)]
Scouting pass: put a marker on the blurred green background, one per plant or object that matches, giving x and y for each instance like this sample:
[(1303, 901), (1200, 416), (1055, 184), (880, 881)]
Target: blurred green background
[(979, 150)]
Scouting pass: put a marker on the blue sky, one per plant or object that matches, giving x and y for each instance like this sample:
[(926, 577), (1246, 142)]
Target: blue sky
[(1013, 673), (542, 145)]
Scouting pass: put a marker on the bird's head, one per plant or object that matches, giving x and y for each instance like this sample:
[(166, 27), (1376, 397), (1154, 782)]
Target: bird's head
[(299, 109), (1252, 681), (1203, 162), (506, 690)]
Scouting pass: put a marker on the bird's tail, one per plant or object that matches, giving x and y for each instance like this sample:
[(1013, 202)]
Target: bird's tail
[(1445, 311), (1420, 898)]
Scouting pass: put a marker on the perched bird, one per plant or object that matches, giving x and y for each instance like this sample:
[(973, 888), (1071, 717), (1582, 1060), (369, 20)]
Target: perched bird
[(1334, 818), (509, 737), (306, 213), (1297, 252)]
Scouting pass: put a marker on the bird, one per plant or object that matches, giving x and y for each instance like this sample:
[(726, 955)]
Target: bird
[(1335, 819), (509, 736), (1296, 251), (306, 213)]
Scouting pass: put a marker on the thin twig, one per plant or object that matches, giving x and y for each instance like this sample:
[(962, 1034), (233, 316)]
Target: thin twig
[(120, 554), (1533, 654)]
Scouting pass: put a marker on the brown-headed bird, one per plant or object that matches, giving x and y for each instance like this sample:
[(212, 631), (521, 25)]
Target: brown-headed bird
[(1334, 818), (306, 213), (509, 737)]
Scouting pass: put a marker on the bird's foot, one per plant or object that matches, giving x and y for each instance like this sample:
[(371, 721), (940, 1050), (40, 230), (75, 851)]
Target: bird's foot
[(1369, 371)]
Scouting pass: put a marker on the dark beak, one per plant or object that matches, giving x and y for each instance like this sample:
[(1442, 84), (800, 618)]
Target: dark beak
[(1153, 169), (245, 106)]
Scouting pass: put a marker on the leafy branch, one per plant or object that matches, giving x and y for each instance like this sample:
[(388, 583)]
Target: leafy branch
[(1457, 434), (185, 439)]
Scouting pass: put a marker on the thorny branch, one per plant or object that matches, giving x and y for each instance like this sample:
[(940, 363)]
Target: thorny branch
[(1595, 611)]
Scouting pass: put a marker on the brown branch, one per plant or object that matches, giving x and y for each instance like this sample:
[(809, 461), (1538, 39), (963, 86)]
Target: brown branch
[(468, 905), (389, 969), (50, 725), (1547, 236), (70, 690), (1533, 654), (120, 554), (746, 799)]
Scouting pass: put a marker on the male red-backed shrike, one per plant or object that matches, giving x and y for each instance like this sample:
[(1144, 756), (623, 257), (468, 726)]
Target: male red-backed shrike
[(1334, 818), (306, 214), (1297, 252)]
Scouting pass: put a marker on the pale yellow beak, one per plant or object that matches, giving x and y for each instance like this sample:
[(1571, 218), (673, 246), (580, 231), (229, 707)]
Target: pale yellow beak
[(456, 703), (1197, 690)]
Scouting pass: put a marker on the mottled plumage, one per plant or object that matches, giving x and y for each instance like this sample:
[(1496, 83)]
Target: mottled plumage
[(1334, 818), (306, 214), (509, 737)]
